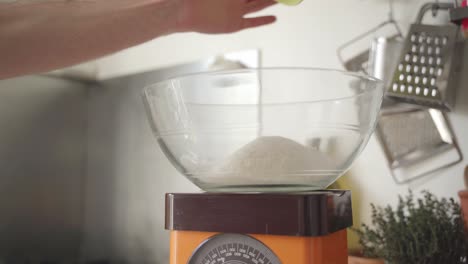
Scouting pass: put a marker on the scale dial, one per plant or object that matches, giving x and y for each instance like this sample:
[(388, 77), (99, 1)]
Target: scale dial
[(233, 249)]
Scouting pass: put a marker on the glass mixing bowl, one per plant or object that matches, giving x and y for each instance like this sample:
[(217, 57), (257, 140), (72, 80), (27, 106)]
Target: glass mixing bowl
[(264, 130)]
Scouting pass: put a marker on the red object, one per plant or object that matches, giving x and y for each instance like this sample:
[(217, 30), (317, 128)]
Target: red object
[(465, 22)]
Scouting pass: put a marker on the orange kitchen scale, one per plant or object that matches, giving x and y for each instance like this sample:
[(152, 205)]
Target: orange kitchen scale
[(293, 228)]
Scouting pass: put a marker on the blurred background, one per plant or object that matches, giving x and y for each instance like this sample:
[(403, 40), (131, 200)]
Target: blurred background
[(81, 175)]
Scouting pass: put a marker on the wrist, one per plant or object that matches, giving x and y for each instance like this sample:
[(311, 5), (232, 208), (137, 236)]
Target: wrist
[(182, 15), (162, 16)]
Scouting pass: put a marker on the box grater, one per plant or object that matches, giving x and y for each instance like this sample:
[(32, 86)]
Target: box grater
[(430, 63), (413, 136)]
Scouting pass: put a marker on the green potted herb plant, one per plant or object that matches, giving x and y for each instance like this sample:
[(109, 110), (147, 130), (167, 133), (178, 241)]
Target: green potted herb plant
[(426, 230)]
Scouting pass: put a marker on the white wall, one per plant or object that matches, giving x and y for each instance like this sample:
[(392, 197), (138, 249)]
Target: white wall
[(304, 35), (42, 160), (127, 178)]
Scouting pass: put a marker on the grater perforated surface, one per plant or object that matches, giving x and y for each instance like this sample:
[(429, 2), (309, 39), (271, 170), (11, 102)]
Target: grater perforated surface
[(422, 74), (407, 132)]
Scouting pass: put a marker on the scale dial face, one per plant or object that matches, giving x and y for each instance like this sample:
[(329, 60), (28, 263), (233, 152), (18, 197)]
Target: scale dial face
[(233, 249)]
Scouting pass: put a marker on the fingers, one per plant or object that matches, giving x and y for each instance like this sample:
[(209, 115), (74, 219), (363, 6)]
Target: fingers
[(257, 21), (257, 5)]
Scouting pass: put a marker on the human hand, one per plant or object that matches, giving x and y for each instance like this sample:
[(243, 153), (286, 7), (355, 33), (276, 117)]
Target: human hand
[(221, 16), (67, 32)]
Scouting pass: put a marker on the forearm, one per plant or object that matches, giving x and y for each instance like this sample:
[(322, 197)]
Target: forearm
[(46, 35)]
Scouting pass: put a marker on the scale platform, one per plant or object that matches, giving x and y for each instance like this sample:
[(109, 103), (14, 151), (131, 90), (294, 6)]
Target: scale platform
[(260, 228)]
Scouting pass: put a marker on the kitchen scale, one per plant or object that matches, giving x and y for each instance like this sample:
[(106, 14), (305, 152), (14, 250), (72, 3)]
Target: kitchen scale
[(302, 228), (264, 144)]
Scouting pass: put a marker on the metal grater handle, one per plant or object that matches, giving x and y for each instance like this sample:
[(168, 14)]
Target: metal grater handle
[(458, 15), (434, 7)]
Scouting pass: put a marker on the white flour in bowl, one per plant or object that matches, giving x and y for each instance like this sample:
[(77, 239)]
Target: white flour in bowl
[(273, 160)]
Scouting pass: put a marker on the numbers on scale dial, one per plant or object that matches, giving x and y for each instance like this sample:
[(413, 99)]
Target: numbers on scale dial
[(233, 249)]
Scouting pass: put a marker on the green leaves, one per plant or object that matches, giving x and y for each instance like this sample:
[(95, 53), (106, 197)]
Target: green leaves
[(425, 230)]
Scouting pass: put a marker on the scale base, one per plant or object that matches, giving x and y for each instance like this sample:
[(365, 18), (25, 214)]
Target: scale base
[(261, 228)]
